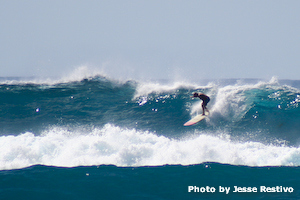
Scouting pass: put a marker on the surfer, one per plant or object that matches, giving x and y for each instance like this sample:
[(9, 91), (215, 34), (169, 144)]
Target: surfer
[(204, 98)]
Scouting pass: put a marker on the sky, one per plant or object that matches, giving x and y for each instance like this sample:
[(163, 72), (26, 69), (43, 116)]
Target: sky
[(153, 39)]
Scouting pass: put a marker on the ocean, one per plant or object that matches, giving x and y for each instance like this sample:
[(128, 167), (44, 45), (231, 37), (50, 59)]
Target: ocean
[(101, 138)]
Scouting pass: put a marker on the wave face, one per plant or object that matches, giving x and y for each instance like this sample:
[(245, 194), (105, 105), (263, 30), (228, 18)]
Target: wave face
[(97, 121)]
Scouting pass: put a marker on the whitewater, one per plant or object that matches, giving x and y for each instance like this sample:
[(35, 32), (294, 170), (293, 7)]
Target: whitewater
[(95, 120)]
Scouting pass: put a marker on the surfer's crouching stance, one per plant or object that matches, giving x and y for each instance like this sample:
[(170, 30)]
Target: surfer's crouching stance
[(204, 98)]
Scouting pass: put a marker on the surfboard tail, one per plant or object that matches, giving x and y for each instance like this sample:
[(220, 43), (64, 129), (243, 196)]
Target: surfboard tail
[(196, 119)]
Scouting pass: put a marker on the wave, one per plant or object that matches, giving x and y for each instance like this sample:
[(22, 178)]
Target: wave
[(128, 147), (90, 119), (267, 107)]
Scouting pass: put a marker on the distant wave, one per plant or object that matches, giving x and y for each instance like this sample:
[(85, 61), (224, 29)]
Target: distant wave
[(78, 74)]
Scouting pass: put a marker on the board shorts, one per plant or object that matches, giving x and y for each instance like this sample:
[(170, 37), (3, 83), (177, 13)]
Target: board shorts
[(206, 101)]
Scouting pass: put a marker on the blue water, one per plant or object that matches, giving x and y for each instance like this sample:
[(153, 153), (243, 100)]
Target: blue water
[(98, 138)]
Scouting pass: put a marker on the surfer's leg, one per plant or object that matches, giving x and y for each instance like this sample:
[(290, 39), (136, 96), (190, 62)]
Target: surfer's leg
[(204, 103)]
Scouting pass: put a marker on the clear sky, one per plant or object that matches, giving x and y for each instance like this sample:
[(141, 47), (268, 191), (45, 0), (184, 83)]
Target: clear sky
[(189, 39)]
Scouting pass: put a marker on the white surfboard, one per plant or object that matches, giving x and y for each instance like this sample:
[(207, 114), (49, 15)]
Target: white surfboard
[(196, 119)]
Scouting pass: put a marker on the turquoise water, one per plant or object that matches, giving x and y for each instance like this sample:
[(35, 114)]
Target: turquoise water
[(98, 138), (159, 182)]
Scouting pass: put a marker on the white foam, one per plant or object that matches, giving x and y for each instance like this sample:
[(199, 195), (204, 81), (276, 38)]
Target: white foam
[(128, 147), (231, 101)]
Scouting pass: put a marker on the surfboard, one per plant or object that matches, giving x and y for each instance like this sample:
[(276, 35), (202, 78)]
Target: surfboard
[(196, 119)]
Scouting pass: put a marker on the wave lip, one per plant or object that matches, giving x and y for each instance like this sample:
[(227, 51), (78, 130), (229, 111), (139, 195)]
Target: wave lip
[(129, 147)]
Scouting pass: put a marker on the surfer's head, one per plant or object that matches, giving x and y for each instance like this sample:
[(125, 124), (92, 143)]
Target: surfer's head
[(195, 94)]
